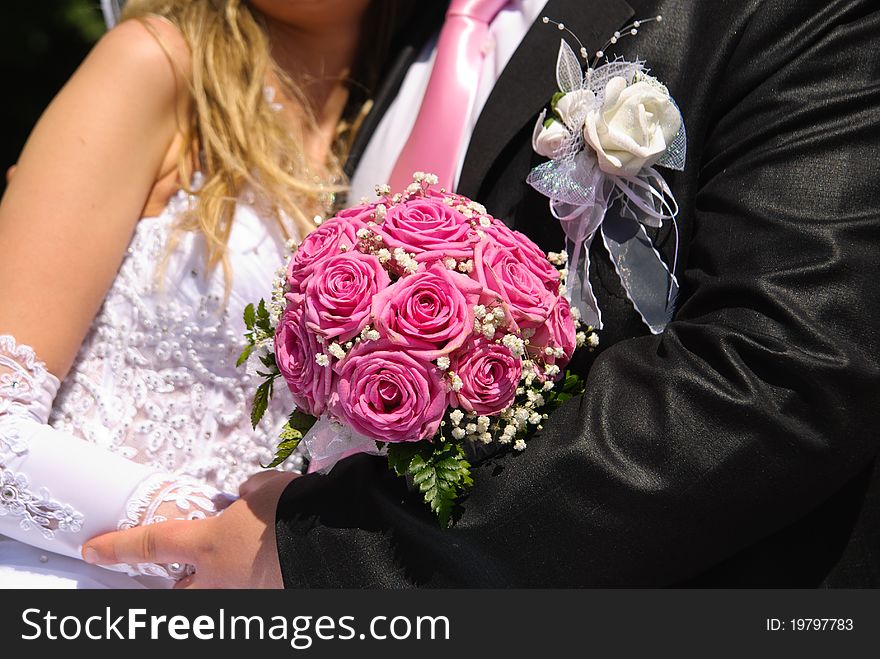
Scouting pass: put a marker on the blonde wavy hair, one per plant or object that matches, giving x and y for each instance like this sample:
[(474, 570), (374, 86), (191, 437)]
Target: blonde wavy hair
[(240, 140)]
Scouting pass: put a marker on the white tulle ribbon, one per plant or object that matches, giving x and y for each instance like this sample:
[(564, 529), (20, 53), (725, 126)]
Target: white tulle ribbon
[(328, 442), (587, 200)]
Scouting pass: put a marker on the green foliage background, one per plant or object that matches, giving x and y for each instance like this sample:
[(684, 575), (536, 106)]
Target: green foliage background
[(41, 44)]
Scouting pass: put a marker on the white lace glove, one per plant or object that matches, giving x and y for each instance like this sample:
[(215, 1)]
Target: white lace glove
[(57, 490)]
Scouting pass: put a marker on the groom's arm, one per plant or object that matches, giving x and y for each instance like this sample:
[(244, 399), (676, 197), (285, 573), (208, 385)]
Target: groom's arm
[(758, 403)]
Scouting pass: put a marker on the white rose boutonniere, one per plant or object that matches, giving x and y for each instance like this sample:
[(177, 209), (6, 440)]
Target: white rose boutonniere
[(634, 126), (611, 124)]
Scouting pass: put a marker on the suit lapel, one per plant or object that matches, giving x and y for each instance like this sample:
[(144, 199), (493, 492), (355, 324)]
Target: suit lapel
[(528, 81)]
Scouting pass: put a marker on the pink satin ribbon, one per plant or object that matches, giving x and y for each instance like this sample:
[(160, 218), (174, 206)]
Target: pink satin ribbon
[(437, 135)]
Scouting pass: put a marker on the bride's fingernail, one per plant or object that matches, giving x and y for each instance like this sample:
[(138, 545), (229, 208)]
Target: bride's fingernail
[(90, 555)]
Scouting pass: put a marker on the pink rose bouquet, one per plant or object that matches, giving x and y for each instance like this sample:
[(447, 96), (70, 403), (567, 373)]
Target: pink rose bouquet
[(416, 326)]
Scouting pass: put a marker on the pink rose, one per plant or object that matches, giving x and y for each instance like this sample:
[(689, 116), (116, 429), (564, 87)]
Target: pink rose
[(428, 228), (327, 240), (339, 294), (489, 373), (429, 313), (558, 332), (507, 272), (295, 350), (360, 214), (387, 394), (532, 255)]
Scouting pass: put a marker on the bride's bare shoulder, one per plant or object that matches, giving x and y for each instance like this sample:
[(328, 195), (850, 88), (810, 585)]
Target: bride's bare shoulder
[(150, 49)]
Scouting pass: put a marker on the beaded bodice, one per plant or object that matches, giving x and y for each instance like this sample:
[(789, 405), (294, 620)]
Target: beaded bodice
[(155, 379)]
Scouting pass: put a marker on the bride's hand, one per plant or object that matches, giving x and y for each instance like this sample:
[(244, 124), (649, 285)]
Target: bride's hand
[(233, 550)]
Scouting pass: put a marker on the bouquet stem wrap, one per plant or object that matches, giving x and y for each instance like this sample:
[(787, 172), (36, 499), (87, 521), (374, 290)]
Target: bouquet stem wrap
[(329, 441)]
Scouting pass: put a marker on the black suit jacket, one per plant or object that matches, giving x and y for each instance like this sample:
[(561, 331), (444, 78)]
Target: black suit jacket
[(737, 447)]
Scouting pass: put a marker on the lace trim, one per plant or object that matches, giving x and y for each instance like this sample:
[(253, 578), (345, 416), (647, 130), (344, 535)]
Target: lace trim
[(24, 384), (26, 388), (38, 511), (21, 385), (193, 499), (11, 443)]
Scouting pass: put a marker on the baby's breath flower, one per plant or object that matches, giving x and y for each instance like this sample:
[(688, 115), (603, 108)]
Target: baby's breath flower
[(486, 438), (336, 350), (479, 311), (456, 383), (383, 190), (519, 445), (471, 428), (535, 418), (384, 255), (514, 344), (456, 416), (557, 258), (450, 263), (443, 363), (593, 340), (458, 433), (322, 359)]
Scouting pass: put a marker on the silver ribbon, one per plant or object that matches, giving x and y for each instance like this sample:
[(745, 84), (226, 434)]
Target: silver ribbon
[(112, 9), (581, 194)]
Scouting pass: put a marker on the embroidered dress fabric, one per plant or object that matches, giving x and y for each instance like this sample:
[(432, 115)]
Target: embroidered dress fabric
[(150, 423)]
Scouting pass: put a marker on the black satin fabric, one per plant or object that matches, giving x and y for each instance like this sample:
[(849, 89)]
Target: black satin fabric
[(735, 449)]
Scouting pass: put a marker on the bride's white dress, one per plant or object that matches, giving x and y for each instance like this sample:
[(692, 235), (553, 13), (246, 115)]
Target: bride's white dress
[(153, 411)]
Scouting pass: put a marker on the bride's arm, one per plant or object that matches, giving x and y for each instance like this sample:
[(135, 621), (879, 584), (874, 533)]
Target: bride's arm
[(81, 184)]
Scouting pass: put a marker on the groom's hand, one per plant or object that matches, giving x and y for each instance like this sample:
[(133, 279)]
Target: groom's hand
[(233, 550)]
